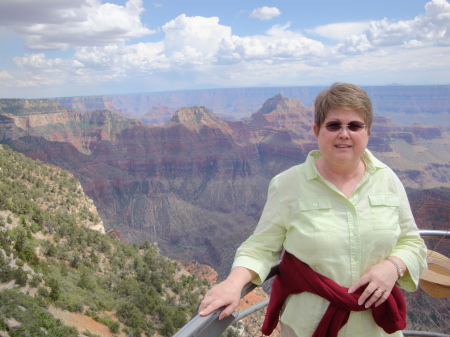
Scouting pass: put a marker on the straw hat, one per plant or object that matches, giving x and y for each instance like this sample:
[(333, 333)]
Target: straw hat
[(436, 280)]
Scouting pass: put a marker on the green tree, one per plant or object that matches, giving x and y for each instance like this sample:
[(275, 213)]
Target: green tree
[(50, 249), (167, 328), (86, 280), (55, 291), (131, 316), (20, 276), (6, 272), (29, 255), (20, 241)]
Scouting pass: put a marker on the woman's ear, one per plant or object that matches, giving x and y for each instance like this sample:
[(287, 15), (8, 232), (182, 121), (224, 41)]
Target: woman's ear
[(316, 130)]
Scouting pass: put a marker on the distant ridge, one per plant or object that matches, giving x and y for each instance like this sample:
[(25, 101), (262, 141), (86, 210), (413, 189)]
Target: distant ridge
[(238, 103)]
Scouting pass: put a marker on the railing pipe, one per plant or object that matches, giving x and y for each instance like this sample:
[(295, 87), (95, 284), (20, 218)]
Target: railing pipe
[(250, 310), (434, 234), (207, 326), (408, 333)]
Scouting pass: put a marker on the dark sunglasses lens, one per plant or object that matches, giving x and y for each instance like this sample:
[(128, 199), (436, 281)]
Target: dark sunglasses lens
[(333, 126), (354, 127)]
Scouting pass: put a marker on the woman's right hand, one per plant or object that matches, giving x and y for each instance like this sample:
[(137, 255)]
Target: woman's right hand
[(227, 293)]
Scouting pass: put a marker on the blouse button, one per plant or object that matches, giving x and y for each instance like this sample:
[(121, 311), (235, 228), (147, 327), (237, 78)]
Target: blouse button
[(315, 204)]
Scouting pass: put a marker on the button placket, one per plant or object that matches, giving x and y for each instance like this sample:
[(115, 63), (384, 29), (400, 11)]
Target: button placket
[(355, 241)]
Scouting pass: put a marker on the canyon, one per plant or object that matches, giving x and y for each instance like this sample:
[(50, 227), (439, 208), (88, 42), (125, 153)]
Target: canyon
[(195, 180)]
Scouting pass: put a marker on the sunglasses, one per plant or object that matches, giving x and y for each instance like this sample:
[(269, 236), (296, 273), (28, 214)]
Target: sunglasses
[(352, 126)]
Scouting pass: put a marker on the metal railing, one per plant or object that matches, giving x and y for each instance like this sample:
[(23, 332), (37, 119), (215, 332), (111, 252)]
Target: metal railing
[(211, 326)]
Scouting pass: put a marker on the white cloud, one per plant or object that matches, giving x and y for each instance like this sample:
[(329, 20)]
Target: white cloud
[(385, 33), (413, 44), (265, 13), (42, 72), (435, 24), (283, 31), (4, 75), (38, 61), (144, 58), (278, 44), (189, 42), (354, 44), (431, 28), (193, 39), (340, 31), (60, 24)]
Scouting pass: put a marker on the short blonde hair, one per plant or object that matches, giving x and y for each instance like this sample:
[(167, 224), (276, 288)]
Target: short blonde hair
[(343, 96)]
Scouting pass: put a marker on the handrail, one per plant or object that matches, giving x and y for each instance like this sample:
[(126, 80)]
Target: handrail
[(207, 326), (408, 333), (435, 234), (211, 326)]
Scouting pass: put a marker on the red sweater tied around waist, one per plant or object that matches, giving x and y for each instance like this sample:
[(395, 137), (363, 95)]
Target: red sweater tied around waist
[(296, 277)]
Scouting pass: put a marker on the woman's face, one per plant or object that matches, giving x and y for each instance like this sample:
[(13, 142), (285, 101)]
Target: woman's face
[(342, 146)]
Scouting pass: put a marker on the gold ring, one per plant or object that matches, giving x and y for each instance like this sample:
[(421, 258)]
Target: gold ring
[(380, 290)]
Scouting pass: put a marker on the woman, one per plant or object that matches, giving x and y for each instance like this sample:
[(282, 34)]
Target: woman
[(344, 214)]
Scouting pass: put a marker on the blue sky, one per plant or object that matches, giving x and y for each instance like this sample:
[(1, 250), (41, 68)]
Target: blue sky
[(54, 48)]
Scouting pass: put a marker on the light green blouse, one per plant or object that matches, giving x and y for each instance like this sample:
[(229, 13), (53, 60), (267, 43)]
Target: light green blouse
[(338, 237)]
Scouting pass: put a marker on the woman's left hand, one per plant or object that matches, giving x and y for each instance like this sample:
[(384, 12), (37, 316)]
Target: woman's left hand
[(378, 281)]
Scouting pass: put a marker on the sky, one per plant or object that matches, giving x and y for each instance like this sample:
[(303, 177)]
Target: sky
[(60, 48)]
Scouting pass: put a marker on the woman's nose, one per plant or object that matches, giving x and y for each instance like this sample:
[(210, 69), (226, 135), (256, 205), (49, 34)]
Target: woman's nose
[(343, 132)]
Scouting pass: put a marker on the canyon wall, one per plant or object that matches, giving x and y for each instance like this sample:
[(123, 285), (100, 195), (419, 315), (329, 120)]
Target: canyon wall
[(197, 183)]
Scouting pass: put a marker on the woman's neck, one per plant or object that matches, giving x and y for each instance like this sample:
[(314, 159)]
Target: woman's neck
[(344, 177), (340, 171)]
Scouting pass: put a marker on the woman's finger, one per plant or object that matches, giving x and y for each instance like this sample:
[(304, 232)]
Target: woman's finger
[(227, 311), (208, 305), (367, 293), (384, 296), (378, 297)]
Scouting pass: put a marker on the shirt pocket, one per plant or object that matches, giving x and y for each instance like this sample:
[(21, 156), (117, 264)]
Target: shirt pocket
[(384, 211), (316, 215)]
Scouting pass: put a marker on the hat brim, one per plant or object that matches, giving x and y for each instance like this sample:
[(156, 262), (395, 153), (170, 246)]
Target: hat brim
[(436, 280), (434, 290)]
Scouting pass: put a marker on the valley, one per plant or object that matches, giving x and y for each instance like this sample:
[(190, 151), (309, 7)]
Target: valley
[(197, 184)]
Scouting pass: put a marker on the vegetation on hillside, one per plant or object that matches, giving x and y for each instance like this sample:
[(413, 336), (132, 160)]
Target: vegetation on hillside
[(51, 254)]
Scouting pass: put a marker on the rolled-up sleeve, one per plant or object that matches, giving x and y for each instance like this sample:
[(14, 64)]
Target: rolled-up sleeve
[(410, 247)]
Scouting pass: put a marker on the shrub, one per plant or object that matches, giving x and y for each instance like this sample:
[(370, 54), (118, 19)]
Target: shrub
[(29, 255), (35, 281), (43, 292), (20, 276)]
